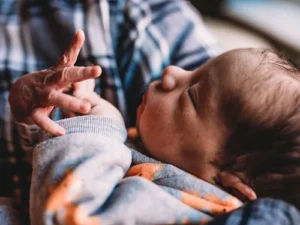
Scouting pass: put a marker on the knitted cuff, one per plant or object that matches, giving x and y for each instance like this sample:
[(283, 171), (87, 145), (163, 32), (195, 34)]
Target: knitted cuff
[(103, 126)]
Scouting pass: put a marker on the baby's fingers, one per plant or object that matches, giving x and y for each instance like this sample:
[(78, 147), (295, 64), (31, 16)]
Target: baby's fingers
[(41, 119), (94, 99)]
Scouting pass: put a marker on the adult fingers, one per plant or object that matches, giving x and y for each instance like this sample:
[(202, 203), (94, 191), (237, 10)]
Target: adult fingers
[(28, 120), (41, 119), (70, 55), (70, 75), (67, 102), (227, 179)]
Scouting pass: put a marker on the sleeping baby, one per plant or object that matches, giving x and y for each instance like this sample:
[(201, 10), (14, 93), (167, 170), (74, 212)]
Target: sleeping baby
[(234, 122)]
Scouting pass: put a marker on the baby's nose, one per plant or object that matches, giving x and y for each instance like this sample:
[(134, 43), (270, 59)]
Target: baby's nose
[(168, 78), (168, 82)]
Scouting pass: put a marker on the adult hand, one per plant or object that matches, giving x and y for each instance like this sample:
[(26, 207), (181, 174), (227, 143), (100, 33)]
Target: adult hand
[(80, 90), (33, 96)]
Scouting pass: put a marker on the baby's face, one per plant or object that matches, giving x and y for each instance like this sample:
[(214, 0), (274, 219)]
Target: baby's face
[(181, 119)]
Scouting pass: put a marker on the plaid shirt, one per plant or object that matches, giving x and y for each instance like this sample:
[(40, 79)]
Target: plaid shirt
[(132, 40)]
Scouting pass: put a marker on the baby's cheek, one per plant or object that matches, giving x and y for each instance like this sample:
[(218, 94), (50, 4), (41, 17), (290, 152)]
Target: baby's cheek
[(147, 131), (151, 135), (157, 127)]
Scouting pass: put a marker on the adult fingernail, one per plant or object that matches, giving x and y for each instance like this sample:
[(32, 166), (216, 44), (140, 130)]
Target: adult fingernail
[(253, 195), (96, 71), (60, 132), (85, 107)]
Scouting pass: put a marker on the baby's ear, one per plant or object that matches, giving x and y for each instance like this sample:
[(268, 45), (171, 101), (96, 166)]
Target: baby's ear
[(239, 188)]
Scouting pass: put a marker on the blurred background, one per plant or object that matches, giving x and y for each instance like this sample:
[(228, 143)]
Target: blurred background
[(254, 23)]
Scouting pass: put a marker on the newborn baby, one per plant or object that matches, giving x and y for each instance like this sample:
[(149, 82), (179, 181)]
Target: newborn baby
[(238, 113), (233, 122)]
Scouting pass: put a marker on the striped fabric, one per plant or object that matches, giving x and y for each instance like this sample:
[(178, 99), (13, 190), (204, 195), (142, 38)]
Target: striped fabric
[(132, 40)]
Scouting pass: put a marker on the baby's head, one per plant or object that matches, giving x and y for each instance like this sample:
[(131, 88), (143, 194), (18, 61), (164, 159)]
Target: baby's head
[(239, 112)]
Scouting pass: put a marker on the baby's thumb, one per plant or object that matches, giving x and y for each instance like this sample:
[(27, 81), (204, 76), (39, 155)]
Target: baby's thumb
[(93, 98)]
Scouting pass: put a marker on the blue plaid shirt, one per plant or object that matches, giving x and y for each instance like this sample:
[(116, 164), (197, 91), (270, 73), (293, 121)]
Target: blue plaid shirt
[(132, 40)]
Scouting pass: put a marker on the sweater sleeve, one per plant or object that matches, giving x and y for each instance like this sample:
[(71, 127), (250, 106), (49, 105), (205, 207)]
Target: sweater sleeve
[(73, 175)]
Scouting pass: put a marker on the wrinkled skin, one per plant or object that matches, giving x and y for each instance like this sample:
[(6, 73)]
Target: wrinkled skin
[(33, 96)]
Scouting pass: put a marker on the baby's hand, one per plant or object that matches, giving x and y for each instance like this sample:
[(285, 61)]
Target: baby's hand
[(85, 90), (101, 107)]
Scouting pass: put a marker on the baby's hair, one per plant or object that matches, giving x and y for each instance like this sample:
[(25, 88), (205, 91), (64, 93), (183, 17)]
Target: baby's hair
[(267, 150), (283, 62)]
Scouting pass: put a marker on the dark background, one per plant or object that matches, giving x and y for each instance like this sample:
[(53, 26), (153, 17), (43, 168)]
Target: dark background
[(208, 7)]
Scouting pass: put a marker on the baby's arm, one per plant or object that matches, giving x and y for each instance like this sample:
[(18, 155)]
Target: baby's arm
[(85, 165), (74, 175)]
